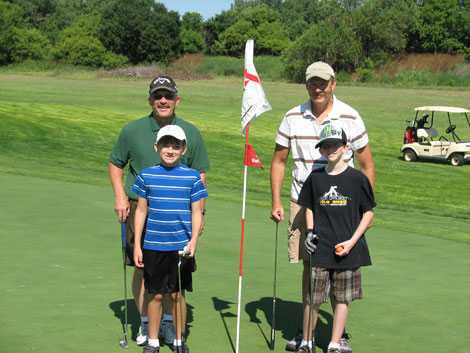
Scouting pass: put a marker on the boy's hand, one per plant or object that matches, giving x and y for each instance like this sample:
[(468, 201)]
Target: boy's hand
[(311, 241), (138, 257), (346, 248), (191, 247)]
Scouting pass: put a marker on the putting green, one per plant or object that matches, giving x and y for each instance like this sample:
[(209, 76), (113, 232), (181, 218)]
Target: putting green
[(61, 287)]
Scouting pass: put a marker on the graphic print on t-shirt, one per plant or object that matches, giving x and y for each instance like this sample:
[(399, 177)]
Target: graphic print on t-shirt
[(333, 198)]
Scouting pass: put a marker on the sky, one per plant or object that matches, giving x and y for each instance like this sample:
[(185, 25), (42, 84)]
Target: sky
[(207, 8)]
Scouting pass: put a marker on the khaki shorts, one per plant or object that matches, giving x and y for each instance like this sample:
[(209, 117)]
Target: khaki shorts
[(296, 233), (129, 261)]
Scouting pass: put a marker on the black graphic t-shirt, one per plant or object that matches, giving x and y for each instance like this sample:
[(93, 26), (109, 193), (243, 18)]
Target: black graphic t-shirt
[(338, 203)]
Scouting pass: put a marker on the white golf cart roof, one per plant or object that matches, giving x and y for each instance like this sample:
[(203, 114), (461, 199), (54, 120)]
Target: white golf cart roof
[(443, 109)]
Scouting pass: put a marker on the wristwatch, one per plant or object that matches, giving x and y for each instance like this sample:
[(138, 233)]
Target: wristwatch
[(204, 211)]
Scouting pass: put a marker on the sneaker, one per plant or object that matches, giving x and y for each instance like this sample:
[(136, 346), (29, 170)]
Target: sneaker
[(305, 349), (344, 343), (334, 350), (142, 335), (167, 332), (294, 343), (149, 349), (181, 349)]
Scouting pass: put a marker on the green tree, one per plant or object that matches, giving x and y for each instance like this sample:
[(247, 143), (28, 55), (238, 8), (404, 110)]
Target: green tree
[(142, 30), (29, 43), (11, 17), (78, 45), (263, 25), (51, 16), (192, 42), (438, 26), (463, 24), (215, 26), (332, 42), (383, 26), (192, 21)]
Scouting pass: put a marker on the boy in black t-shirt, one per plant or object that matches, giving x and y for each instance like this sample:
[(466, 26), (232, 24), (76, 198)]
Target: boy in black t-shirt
[(339, 202)]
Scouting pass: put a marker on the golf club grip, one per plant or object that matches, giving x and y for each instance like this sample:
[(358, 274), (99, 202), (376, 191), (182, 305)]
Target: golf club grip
[(123, 234)]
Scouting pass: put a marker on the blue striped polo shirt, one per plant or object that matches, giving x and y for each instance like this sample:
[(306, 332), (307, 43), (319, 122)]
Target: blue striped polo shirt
[(169, 191)]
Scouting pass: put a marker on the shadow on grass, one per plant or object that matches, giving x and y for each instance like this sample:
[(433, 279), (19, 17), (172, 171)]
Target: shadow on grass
[(221, 306), (133, 317), (288, 320)]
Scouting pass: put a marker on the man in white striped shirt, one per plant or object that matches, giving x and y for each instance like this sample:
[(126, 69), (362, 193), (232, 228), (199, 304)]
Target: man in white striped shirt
[(299, 132)]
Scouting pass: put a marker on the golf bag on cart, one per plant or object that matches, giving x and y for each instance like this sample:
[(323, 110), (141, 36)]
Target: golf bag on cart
[(411, 130)]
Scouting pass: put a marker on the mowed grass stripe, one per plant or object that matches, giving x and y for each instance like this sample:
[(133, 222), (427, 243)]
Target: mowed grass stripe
[(65, 127)]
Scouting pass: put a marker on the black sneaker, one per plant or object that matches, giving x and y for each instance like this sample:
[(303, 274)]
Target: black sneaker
[(294, 343), (149, 349), (344, 343), (181, 349)]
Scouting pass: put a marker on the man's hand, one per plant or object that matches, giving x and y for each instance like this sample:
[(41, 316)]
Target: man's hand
[(122, 208), (311, 241), (277, 214)]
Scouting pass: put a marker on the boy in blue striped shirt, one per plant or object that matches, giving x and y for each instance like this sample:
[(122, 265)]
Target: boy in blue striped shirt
[(170, 194)]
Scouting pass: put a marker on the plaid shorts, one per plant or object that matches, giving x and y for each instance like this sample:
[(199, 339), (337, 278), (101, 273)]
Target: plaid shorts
[(345, 285)]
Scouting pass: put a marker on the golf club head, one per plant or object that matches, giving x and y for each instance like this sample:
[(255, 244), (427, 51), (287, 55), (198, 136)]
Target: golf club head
[(123, 343), (183, 252)]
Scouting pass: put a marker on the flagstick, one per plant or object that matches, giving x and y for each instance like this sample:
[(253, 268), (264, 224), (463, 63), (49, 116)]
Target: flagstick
[(242, 239)]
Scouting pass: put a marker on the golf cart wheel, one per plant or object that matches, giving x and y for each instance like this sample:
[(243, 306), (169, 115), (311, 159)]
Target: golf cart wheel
[(409, 155), (457, 159)]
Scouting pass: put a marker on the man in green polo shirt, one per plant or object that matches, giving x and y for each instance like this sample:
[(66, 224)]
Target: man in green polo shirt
[(135, 147)]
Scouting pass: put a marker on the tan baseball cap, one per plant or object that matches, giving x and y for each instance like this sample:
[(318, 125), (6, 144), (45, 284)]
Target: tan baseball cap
[(319, 69)]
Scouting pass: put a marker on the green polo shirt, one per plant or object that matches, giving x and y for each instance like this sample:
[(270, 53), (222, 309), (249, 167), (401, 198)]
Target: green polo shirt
[(135, 146)]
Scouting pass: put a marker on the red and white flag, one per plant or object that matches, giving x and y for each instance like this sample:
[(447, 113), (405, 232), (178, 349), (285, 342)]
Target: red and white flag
[(254, 100), (251, 158)]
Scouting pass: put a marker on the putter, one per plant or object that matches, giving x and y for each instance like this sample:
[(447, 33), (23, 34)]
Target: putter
[(123, 341), (273, 318), (181, 253), (310, 321)]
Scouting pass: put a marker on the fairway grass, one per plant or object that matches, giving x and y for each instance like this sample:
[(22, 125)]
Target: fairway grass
[(61, 284), (63, 128)]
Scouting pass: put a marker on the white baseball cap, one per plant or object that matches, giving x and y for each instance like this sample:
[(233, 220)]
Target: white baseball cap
[(171, 130), (319, 69)]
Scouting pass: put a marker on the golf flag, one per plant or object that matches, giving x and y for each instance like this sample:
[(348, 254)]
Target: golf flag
[(251, 158), (254, 103), (254, 100)]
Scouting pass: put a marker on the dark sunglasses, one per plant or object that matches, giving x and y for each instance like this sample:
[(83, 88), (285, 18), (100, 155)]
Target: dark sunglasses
[(168, 96)]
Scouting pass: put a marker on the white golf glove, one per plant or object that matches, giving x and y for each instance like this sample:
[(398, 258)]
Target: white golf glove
[(311, 241)]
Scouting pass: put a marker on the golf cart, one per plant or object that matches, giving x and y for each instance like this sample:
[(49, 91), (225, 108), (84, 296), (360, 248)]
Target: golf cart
[(422, 139)]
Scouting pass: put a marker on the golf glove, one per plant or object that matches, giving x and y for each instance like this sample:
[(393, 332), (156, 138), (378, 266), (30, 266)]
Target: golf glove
[(311, 241)]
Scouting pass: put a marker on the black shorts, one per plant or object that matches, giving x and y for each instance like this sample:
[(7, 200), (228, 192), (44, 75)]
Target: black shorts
[(161, 272)]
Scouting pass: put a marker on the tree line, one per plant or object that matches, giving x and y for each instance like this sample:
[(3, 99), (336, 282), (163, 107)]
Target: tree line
[(349, 34)]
